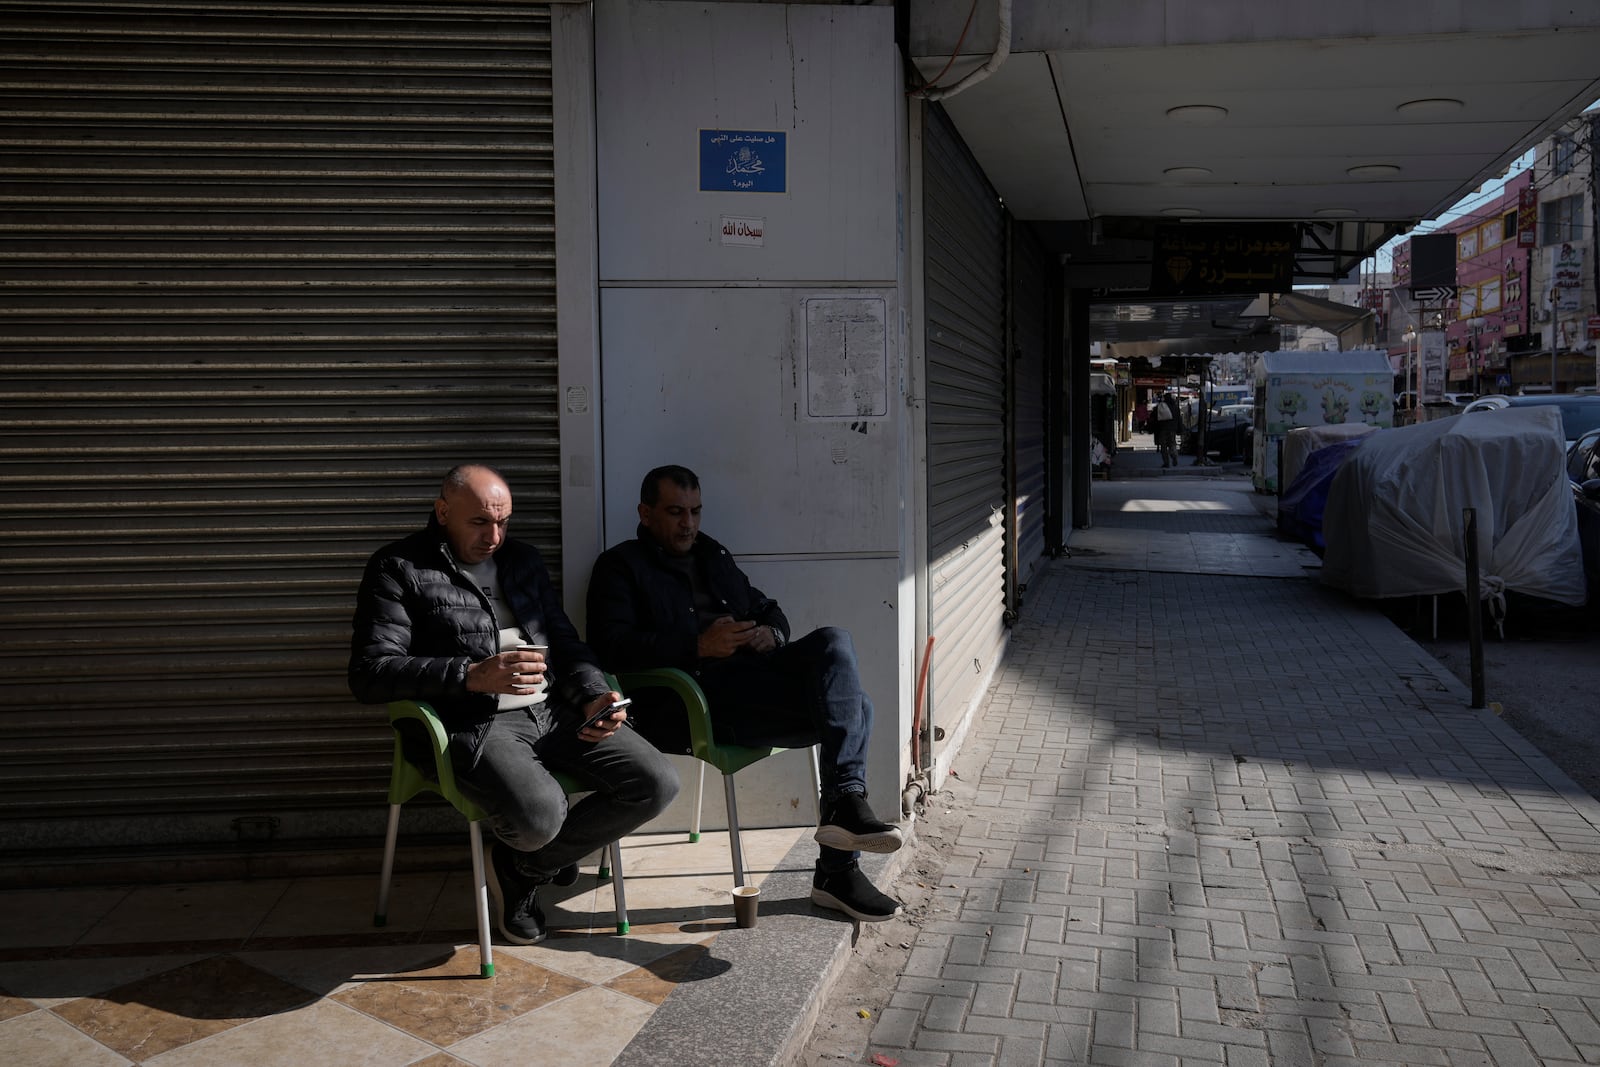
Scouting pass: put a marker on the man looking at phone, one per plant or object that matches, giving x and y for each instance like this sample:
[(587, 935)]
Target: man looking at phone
[(673, 597), (465, 618)]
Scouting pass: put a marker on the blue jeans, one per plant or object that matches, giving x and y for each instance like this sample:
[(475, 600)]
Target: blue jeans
[(806, 693), (506, 768)]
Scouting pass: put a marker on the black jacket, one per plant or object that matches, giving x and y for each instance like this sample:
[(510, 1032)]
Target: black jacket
[(420, 623), (641, 608)]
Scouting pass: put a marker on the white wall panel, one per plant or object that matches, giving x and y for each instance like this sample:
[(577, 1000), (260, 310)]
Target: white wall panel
[(704, 344), (711, 378), (823, 75)]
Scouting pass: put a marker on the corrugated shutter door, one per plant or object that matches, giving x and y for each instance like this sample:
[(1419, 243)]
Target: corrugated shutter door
[(1032, 285), (965, 301), (269, 270)]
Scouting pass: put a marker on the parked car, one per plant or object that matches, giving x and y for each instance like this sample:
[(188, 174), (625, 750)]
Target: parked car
[(1583, 468), (1579, 413), (1228, 432)]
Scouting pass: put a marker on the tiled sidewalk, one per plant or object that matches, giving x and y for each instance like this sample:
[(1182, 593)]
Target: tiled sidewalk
[(292, 972), (1217, 818)]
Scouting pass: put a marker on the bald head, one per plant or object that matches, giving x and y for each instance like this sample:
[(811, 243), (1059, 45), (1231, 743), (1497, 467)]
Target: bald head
[(474, 507)]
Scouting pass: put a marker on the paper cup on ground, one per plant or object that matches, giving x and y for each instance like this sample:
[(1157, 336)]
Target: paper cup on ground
[(745, 899)]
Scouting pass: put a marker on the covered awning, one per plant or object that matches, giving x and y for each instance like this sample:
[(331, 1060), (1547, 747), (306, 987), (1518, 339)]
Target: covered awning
[(1354, 327)]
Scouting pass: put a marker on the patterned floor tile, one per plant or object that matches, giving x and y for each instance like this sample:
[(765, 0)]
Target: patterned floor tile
[(173, 1008), (441, 1005)]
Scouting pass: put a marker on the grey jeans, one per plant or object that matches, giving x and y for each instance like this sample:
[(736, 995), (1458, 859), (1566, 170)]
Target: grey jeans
[(506, 767)]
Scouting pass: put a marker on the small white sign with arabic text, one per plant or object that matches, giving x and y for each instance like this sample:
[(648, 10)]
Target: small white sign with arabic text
[(740, 230)]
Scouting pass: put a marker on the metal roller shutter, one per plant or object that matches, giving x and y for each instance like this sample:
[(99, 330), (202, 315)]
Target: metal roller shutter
[(1032, 284), (270, 268), (965, 301)]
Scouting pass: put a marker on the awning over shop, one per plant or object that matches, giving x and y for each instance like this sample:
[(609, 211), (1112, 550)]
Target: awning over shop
[(1353, 326)]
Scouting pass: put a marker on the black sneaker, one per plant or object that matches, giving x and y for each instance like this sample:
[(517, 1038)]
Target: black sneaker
[(849, 825), (566, 876), (849, 891), (516, 908)]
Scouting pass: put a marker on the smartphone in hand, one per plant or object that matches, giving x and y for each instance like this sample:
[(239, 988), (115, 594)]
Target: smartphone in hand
[(757, 610), (606, 712)]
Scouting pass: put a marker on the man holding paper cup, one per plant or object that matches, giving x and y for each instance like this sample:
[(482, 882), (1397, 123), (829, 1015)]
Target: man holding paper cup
[(466, 618)]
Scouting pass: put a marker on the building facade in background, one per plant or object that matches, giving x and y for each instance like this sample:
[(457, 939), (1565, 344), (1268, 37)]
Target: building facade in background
[(1524, 315)]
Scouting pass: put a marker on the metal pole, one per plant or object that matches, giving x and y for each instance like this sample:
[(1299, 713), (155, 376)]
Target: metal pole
[(1469, 523), (1475, 359), (1416, 401), (1553, 339)]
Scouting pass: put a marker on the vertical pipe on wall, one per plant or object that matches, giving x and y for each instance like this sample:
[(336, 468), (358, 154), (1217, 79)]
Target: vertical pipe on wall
[(917, 416)]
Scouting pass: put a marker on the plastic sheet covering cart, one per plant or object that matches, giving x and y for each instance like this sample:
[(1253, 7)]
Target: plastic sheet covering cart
[(1304, 440), (1393, 521)]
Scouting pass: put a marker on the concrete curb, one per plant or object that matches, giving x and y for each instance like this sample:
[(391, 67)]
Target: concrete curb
[(755, 996)]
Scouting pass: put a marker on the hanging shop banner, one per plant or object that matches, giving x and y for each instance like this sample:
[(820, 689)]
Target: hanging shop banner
[(1528, 218), (1196, 260), (1566, 276)]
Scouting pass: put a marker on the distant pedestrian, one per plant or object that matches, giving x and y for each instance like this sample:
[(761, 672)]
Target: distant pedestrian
[(1167, 422)]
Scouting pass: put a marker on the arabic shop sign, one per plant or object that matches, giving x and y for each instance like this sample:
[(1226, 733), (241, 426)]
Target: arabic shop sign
[(743, 161), (1528, 218), (1195, 260)]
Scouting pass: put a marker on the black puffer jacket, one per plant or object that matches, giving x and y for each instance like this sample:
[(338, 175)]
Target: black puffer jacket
[(420, 623), (641, 608)]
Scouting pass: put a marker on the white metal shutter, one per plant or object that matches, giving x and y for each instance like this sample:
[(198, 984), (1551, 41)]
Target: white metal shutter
[(965, 301), (1032, 286), (269, 269)]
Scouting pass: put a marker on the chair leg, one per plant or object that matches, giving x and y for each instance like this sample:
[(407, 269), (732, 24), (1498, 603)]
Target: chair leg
[(381, 915), (699, 802), (733, 830), (614, 850), (480, 891), (816, 778), (603, 871)]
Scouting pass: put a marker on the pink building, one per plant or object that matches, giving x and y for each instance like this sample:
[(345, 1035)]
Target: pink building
[(1492, 278)]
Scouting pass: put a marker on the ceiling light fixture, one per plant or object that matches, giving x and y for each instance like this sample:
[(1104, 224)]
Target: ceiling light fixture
[(1184, 173), (1197, 114), (1373, 170), (1430, 107), (1336, 212), (1180, 212)]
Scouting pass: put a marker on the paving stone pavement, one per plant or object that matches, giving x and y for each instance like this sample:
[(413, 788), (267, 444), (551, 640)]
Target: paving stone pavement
[(1242, 820)]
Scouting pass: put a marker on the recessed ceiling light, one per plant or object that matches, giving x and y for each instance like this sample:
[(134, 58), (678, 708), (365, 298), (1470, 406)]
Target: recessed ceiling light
[(1430, 107), (1197, 114), (1182, 173), (1336, 212), (1180, 212), (1374, 170)]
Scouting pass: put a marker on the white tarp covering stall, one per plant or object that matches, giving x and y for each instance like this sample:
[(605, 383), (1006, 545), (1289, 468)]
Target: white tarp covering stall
[(1394, 521)]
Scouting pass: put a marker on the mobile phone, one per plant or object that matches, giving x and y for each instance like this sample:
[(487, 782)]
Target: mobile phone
[(606, 713)]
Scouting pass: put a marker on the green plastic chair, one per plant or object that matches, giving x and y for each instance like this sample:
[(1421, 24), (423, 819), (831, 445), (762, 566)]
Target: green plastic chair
[(407, 779), (703, 746)]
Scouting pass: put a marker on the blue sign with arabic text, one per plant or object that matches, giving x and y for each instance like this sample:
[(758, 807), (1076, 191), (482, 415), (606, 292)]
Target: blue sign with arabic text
[(743, 161)]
